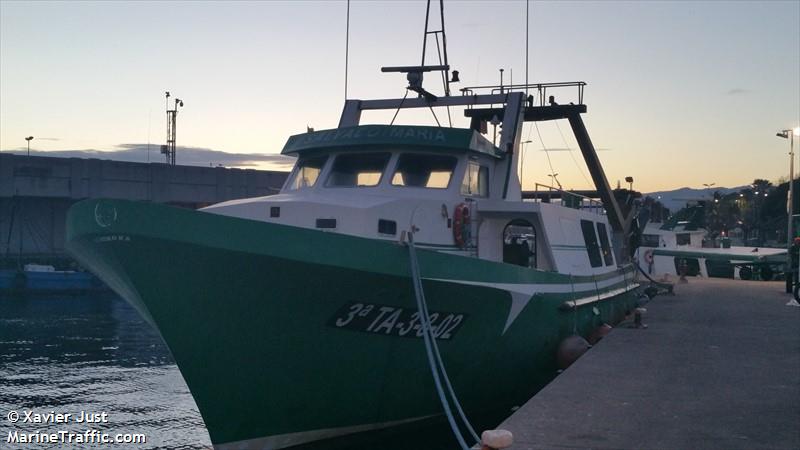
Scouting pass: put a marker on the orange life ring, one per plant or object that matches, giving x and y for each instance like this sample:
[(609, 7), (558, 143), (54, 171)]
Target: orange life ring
[(461, 221), (648, 256)]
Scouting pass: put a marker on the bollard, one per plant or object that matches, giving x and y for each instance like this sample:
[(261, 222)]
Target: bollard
[(684, 268), (637, 318)]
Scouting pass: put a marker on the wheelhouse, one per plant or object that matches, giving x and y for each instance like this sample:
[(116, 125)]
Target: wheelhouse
[(411, 159)]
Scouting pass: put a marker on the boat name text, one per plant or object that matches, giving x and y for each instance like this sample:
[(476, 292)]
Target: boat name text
[(113, 238), (394, 321), (370, 132)]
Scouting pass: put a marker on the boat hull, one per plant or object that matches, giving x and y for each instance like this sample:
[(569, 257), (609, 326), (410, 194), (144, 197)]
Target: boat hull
[(287, 336)]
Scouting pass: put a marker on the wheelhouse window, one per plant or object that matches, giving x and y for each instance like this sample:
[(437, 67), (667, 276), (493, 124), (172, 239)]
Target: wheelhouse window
[(592, 247), (476, 180), (608, 257), (519, 243), (307, 172), (427, 171), (358, 170), (683, 238), (650, 240)]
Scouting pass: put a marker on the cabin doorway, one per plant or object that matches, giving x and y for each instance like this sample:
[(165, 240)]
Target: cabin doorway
[(519, 243)]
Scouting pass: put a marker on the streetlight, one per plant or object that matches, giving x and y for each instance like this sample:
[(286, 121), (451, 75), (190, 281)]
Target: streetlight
[(709, 186), (629, 180), (554, 178), (29, 139), (789, 134)]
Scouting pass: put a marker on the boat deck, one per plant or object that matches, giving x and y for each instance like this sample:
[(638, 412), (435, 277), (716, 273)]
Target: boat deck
[(717, 367)]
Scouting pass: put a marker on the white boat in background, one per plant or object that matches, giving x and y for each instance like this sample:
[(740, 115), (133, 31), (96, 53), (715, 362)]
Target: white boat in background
[(666, 251)]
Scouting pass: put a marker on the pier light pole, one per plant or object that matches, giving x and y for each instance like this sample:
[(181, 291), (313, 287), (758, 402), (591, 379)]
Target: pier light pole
[(790, 135), (172, 124), (709, 186), (554, 178), (29, 139)]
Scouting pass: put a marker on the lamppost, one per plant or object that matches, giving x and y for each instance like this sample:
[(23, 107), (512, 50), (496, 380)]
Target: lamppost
[(553, 177), (709, 186), (789, 134), (29, 139)]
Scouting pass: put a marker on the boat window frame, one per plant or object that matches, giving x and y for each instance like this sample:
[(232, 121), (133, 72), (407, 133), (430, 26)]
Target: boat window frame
[(588, 230), (605, 244), (295, 172), (400, 155), (532, 257), (471, 162), (331, 170), (648, 239)]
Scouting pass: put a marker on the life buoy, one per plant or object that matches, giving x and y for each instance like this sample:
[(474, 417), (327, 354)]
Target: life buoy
[(648, 257), (461, 221)]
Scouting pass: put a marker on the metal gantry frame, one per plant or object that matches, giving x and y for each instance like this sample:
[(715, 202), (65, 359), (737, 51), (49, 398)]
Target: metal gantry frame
[(515, 110), (443, 53)]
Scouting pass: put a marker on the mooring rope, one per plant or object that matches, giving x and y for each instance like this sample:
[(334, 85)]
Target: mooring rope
[(669, 287), (434, 357)]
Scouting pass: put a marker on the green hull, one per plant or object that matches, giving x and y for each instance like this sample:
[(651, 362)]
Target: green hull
[(287, 335)]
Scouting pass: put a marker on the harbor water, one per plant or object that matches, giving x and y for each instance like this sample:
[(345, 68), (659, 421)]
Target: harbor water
[(94, 353), (69, 354)]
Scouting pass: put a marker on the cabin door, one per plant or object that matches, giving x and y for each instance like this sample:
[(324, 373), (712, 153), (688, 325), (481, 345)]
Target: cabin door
[(519, 243)]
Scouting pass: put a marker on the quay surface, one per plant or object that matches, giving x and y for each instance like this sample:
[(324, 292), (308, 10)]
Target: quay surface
[(717, 368)]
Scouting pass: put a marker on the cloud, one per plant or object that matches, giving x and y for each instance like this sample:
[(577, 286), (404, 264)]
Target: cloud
[(738, 91), (190, 156)]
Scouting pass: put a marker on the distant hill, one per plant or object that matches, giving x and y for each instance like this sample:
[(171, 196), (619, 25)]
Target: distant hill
[(676, 199)]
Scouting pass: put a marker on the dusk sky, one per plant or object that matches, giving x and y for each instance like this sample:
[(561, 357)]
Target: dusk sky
[(679, 93)]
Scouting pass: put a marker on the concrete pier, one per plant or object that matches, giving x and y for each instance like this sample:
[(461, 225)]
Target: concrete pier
[(37, 191), (717, 368)]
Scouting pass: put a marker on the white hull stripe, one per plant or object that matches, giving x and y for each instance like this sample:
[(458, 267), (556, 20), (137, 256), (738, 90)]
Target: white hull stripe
[(521, 294), (290, 439), (603, 296)]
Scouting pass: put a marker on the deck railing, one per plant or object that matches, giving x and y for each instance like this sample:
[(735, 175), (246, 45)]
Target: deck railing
[(539, 93), (547, 194)]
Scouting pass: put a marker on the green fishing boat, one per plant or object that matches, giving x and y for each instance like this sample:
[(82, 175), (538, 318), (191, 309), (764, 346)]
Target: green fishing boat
[(308, 316)]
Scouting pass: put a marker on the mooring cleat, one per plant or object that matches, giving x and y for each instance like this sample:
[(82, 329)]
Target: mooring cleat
[(637, 319)]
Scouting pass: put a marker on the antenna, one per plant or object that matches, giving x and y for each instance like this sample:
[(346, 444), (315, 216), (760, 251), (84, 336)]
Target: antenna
[(346, 48), (149, 125), (527, 25)]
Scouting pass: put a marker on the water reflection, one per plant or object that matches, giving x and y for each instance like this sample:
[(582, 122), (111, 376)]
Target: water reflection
[(93, 353)]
